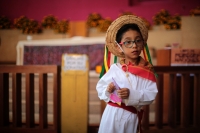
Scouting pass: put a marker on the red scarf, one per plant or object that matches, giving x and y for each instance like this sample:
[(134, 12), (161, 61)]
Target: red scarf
[(143, 69)]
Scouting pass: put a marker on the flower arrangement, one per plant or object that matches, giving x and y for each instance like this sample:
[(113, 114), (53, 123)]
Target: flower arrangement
[(20, 22), (32, 27), (5, 23), (93, 20), (62, 26), (104, 24), (161, 17), (26, 25), (173, 22), (195, 12), (165, 18), (49, 22)]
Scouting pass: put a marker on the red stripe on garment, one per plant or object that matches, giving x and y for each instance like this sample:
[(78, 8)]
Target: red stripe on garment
[(144, 54), (132, 110), (142, 72), (108, 59), (128, 108)]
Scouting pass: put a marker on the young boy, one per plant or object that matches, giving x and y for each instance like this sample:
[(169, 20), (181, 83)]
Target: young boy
[(126, 38)]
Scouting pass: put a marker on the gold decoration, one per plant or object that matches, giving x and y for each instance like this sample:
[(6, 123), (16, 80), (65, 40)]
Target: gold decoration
[(62, 26)]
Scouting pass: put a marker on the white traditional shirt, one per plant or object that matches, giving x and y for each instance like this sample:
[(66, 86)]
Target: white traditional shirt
[(142, 92)]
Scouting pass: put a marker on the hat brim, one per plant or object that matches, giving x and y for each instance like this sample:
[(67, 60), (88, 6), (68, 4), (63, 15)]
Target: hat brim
[(116, 25)]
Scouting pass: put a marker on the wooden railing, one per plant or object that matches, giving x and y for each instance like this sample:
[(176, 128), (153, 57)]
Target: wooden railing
[(181, 88), (183, 100), (16, 125)]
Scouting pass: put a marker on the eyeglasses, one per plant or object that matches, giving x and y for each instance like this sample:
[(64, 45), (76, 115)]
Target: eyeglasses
[(129, 44)]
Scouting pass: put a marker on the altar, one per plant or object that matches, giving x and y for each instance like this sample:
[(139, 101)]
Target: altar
[(49, 52)]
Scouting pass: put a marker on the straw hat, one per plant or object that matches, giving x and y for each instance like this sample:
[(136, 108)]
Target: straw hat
[(116, 25)]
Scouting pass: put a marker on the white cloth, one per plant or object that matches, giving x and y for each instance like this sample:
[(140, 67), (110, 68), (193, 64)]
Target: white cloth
[(142, 92)]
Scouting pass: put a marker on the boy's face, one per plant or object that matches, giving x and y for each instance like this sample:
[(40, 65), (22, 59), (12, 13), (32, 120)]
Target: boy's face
[(132, 50)]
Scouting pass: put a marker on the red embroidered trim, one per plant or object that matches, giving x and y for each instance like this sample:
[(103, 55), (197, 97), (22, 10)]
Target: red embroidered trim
[(140, 71)]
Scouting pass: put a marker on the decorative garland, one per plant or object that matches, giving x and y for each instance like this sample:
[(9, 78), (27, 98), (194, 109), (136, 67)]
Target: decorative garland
[(29, 26)]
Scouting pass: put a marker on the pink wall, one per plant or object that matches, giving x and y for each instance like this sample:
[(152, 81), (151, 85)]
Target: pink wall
[(79, 9)]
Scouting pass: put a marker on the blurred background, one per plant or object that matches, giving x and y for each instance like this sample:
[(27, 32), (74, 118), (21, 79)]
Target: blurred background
[(39, 32)]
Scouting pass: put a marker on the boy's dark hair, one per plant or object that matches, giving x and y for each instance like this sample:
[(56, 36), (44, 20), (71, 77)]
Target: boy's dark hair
[(125, 28)]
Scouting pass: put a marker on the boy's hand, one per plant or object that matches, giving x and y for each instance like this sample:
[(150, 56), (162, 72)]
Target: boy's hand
[(123, 93), (110, 88)]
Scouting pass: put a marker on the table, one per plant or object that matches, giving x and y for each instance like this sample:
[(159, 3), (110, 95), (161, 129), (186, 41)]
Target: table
[(49, 52)]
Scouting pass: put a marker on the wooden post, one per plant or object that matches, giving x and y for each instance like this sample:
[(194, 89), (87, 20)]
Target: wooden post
[(43, 100), (172, 101), (30, 119), (16, 99), (4, 103), (159, 102), (185, 104), (196, 115), (145, 119)]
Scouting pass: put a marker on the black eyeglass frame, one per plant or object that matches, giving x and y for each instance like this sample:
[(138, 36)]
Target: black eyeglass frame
[(132, 42)]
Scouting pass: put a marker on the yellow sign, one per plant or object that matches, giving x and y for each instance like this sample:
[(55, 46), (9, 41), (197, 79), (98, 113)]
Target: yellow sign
[(74, 93)]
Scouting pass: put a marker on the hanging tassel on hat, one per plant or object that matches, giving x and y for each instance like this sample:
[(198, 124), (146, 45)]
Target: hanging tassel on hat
[(109, 59), (147, 56)]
